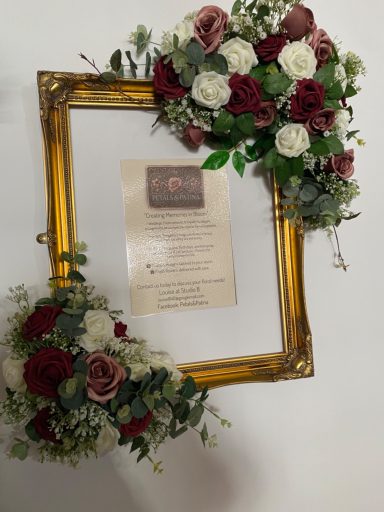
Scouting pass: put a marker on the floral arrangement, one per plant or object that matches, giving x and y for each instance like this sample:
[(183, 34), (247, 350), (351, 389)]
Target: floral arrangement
[(78, 385), (261, 84)]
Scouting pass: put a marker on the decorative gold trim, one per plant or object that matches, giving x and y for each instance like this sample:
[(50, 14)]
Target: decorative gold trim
[(58, 92)]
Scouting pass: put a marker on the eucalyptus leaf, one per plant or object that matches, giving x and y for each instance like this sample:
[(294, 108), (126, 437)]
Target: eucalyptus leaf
[(188, 388), (19, 450), (66, 256), (31, 432), (195, 54), (289, 214), (308, 193), (195, 415), (75, 402), (115, 60), (64, 321), (179, 432), (187, 76), (169, 390), (138, 408), (74, 275), (108, 77), (148, 62), (80, 259), (149, 401)]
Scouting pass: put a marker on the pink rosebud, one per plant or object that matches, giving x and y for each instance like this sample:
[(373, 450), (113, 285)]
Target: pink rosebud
[(105, 377), (266, 114), (194, 135), (210, 25), (298, 22), (322, 45), (342, 165)]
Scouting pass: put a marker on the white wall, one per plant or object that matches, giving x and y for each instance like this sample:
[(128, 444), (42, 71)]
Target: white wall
[(314, 444)]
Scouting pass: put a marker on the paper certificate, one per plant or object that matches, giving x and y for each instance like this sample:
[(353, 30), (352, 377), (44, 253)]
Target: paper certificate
[(177, 223)]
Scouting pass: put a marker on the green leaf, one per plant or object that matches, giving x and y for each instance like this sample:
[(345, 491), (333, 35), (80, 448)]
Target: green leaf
[(216, 160), (258, 72), (149, 401), (148, 62), (251, 153), (44, 301), (124, 414), (181, 409), (64, 321), (272, 68), (188, 388), (81, 246), (308, 193), (326, 75), (80, 366), (73, 312), (277, 83), (265, 142), (335, 146), (115, 60), (67, 389), (249, 8), (223, 123), (204, 393), (114, 405), (307, 211), (137, 443), (352, 134), (262, 11), (282, 170), (66, 256), (74, 275), (169, 390), (141, 42), (270, 159), (142, 29), (215, 62), (143, 453), (187, 76), (246, 123), (80, 259), (124, 440), (336, 92), (108, 77), (236, 7), (132, 64), (195, 415), (297, 166), (290, 214), (332, 104), (195, 54), (81, 379), (319, 148), (238, 162), (160, 378), (204, 434), (19, 450), (179, 432), (31, 432), (75, 402), (175, 41), (157, 52), (350, 91), (289, 190), (138, 407), (146, 381)]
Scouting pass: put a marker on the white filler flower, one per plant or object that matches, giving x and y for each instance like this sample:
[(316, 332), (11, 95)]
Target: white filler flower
[(183, 30), (298, 60), (240, 56), (343, 118), (107, 439), (211, 90), (13, 370), (99, 326), (292, 140)]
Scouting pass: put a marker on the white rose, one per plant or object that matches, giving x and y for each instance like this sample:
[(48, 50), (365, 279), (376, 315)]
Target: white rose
[(99, 326), (107, 439), (13, 371), (343, 118), (138, 370), (164, 360), (183, 30), (298, 60), (211, 90), (292, 140), (240, 56), (341, 76)]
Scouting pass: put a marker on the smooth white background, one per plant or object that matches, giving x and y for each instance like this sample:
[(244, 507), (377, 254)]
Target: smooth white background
[(313, 444)]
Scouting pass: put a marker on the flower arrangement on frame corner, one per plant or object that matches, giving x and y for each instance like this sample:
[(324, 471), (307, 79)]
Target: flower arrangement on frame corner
[(263, 83), (77, 385)]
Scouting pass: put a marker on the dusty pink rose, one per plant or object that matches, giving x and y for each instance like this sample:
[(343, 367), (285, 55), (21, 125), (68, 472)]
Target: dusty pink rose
[(266, 114), (194, 135), (322, 45), (210, 24), (174, 184), (321, 121), (105, 377), (342, 165), (298, 22)]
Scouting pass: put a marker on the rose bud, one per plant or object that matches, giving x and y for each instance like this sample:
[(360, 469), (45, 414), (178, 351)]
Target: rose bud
[(120, 330), (194, 135), (322, 45), (269, 48), (210, 25), (321, 122), (298, 22), (266, 114), (342, 165)]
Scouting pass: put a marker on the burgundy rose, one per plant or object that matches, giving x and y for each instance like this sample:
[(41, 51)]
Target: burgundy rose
[(194, 135), (46, 370), (136, 426), (308, 100), (246, 94), (120, 330), (166, 81), (322, 45), (342, 165), (321, 121), (42, 427), (298, 22), (210, 24), (266, 114), (41, 322), (105, 376), (269, 48)]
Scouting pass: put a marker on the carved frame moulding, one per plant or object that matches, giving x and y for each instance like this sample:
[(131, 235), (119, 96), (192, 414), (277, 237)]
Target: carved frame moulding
[(58, 92)]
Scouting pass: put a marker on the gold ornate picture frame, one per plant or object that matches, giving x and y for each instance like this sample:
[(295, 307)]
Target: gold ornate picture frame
[(58, 92)]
